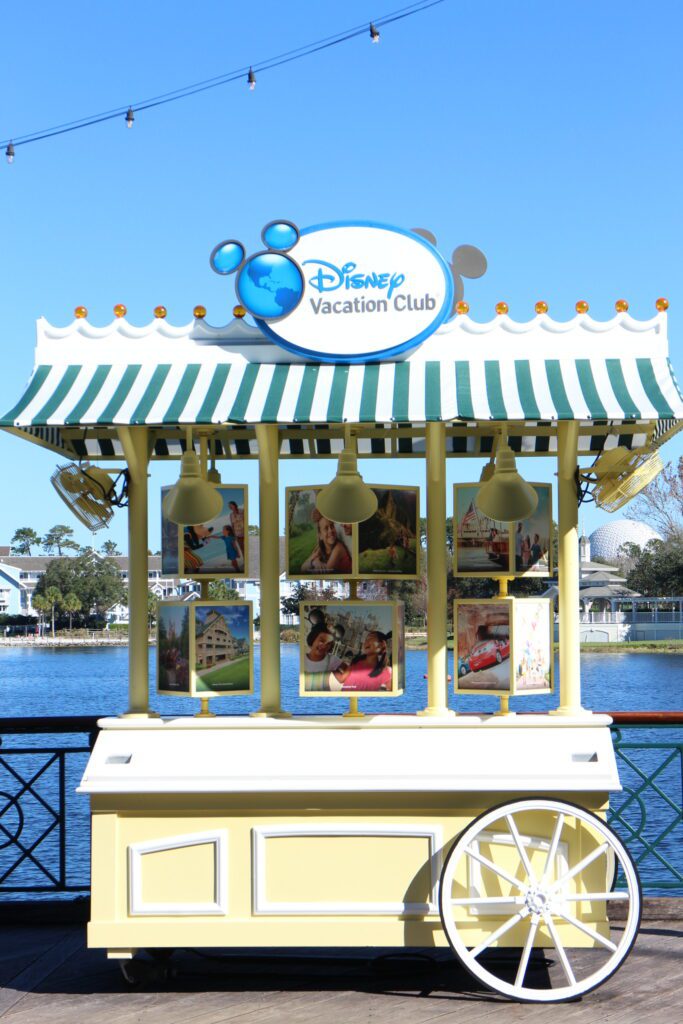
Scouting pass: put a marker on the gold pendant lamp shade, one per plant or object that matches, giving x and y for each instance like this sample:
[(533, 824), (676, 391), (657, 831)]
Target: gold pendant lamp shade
[(193, 499), (506, 496), (347, 498)]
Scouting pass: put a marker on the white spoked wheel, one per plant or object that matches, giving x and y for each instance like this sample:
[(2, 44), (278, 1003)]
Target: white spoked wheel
[(526, 894)]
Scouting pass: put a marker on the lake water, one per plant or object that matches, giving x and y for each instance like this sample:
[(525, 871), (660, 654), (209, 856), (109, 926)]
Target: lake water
[(94, 681)]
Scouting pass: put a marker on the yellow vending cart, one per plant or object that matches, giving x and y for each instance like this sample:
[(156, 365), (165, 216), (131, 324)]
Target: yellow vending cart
[(485, 832)]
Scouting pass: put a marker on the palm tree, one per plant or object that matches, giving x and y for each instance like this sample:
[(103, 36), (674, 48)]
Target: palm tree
[(41, 606), (71, 604), (54, 599)]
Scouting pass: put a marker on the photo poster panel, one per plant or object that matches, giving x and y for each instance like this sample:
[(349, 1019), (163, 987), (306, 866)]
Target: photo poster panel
[(483, 637), (352, 648), (486, 547), (315, 547), (503, 646), (532, 646), (205, 648), (219, 548), (170, 537), (387, 545)]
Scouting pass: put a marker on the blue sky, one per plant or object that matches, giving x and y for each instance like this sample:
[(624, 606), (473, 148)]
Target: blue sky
[(546, 134)]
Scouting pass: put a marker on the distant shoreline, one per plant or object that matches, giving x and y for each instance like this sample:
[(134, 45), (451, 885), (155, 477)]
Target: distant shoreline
[(73, 643)]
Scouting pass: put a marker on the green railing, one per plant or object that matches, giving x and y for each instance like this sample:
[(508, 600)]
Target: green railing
[(648, 813), (44, 826)]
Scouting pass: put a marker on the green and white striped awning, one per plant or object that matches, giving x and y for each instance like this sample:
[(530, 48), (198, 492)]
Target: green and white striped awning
[(92, 400)]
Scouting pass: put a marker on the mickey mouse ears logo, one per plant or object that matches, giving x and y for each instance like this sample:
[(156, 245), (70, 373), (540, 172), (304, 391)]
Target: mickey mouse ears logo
[(269, 284)]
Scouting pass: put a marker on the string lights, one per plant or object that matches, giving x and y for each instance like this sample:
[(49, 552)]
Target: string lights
[(129, 110)]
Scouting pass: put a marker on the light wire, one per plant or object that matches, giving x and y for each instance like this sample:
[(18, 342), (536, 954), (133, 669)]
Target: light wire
[(183, 92)]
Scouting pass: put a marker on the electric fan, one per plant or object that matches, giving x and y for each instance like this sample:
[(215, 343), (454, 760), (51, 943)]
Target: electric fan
[(619, 475), (90, 493)]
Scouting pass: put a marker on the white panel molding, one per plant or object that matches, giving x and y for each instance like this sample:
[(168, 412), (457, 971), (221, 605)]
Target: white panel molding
[(262, 905), (136, 851)]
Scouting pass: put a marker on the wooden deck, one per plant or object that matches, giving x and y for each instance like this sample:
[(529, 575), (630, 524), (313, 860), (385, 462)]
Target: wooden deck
[(49, 977)]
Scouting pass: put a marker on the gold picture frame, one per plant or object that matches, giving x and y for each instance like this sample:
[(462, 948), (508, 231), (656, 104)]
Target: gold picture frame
[(209, 549), (402, 532), (335, 632), (486, 548), (493, 636), (212, 650), (304, 559)]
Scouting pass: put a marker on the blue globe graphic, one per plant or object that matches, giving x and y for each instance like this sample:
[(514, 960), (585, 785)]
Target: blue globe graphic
[(270, 285)]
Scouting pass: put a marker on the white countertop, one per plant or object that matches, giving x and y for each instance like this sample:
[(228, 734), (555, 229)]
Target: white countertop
[(377, 753)]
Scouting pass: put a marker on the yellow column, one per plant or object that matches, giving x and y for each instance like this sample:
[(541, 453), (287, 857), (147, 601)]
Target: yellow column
[(568, 568), (437, 612), (269, 542), (136, 451)]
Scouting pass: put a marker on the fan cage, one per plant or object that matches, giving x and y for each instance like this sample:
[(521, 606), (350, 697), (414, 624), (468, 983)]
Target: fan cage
[(75, 489)]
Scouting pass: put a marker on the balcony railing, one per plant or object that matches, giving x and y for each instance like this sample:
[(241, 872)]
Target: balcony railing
[(45, 827)]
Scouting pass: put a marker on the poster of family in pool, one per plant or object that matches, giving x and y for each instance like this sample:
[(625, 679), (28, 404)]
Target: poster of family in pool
[(485, 547), (213, 549), (385, 545), (503, 645), (204, 648), (352, 647)]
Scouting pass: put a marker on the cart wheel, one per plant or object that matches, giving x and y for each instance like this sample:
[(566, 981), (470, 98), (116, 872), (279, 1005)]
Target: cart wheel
[(538, 874)]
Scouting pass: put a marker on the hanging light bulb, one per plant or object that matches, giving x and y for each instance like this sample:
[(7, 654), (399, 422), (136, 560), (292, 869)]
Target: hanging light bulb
[(251, 79), (506, 496), (193, 499), (9, 153), (130, 118), (213, 476), (347, 498), (374, 33)]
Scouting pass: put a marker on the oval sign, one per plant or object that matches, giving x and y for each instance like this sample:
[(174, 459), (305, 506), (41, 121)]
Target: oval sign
[(369, 291)]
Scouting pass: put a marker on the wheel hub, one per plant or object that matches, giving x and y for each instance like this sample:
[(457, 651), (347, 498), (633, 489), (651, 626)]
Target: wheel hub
[(536, 901)]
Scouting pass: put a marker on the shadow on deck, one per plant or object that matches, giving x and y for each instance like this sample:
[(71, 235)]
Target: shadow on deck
[(47, 975)]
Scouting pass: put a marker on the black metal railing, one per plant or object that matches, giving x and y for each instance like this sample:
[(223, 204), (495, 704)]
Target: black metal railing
[(45, 826)]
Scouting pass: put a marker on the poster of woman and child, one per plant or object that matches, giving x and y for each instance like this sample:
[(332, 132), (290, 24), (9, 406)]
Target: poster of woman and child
[(485, 547), (213, 549), (387, 544), (352, 647)]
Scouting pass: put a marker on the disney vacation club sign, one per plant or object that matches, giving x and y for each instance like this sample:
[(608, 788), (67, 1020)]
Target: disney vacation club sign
[(343, 292)]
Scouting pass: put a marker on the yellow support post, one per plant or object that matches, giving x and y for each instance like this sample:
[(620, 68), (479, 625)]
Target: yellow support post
[(437, 612), (269, 539), (568, 569), (136, 450)]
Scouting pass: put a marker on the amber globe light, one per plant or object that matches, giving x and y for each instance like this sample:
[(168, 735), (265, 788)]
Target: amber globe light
[(582, 306), (160, 312), (120, 310), (662, 305), (462, 307), (621, 305), (238, 312), (541, 307), (501, 308), (199, 312), (80, 312)]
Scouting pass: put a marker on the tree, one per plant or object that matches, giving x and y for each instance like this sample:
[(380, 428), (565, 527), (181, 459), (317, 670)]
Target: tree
[(222, 590), (23, 540), (152, 608), (290, 605), (95, 581), (661, 503), (41, 606), (109, 548), (70, 605), (657, 570), (59, 537), (53, 598)]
